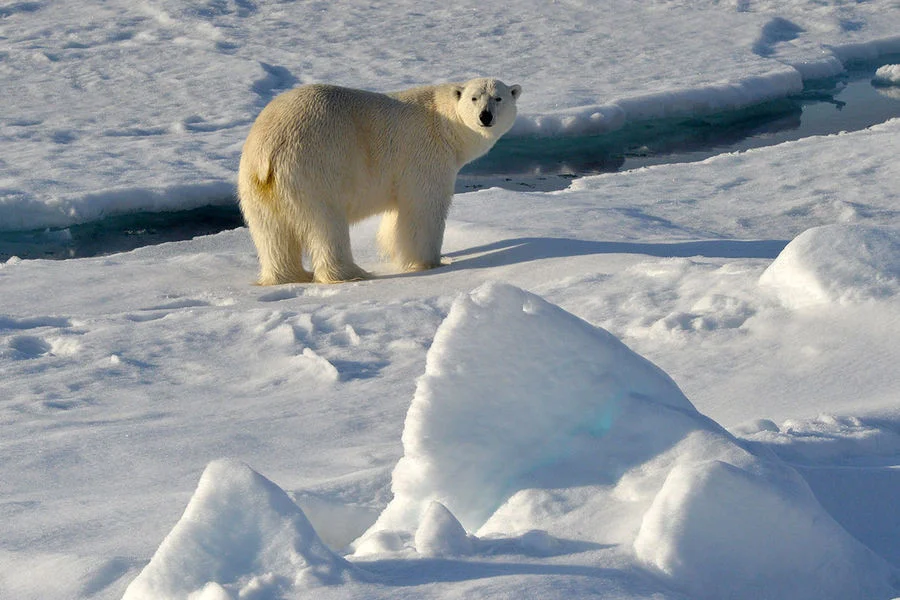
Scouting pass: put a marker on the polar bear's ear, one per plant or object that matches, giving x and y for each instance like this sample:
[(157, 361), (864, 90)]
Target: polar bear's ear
[(457, 91), (515, 91)]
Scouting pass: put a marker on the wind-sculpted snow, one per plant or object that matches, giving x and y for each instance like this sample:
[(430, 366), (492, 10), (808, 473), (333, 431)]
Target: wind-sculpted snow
[(564, 392), (532, 434), (837, 264), (122, 376), (573, 435), (241, 535)]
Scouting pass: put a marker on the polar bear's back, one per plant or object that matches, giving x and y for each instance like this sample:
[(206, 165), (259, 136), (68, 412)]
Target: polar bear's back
[(326, 122), (320, 107)]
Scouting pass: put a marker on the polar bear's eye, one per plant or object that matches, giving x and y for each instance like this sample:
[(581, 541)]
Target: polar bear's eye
[(474, 99), (498, 99)]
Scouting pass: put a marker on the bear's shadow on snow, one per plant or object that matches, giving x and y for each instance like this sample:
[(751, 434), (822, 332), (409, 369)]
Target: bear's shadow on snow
[(520, 250)]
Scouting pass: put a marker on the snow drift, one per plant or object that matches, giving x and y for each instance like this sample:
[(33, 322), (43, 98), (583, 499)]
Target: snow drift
[(535, 433), (240, 535), (573, 435), (836, 264), (478, 431)]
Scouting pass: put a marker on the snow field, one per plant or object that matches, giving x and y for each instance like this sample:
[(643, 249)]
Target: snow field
[(210, 67), (541, 465), (125, 379), (236, 523), (150, 364), (836, 263)]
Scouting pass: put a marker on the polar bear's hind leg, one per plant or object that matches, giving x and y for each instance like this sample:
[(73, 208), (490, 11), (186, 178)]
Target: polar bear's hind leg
[(279, 248), (328, 241)]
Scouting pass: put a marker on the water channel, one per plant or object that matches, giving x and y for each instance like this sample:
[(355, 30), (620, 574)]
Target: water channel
[(846, 103)]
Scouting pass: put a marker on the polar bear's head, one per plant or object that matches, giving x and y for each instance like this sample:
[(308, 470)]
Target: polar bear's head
[(487, 105)]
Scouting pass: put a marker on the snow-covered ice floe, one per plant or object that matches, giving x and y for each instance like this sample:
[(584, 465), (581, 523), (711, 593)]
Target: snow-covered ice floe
[(533, 432), (209, 68)]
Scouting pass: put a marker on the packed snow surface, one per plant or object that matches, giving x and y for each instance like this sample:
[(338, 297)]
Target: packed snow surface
[(442, 438), (580, 428), (676, 382)]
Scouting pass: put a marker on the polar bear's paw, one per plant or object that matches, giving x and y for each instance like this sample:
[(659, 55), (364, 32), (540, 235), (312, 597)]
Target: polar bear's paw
[(341, 274)]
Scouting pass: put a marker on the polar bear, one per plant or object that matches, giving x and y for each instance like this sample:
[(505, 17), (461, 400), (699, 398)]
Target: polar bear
[(320, 157)]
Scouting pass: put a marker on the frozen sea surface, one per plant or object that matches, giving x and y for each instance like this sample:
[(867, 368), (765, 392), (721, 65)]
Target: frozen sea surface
[(668, 382), (117, 107)]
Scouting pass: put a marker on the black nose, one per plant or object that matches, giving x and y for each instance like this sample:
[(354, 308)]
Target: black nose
[(486, 118)]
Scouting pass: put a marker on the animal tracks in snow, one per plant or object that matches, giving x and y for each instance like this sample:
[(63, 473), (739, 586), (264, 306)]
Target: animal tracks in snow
[(35, 337), (28, 346), (179, 303), (315, 343), (33, 322), (276, 79), (172, 303)]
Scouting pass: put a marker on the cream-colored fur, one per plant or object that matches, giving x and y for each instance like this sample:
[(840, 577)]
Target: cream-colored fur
[(321, 157)]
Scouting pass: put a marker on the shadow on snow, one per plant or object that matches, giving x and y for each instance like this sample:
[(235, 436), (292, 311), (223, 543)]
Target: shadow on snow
[(520, 250)]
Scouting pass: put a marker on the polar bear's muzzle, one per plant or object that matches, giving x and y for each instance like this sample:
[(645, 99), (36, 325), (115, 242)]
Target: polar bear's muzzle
[(486, 118)]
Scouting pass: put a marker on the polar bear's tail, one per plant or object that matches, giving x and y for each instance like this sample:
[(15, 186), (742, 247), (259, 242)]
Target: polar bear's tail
[(278, 243)]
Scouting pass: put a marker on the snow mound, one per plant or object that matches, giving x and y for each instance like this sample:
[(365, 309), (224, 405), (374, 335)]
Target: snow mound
[(762, 527), (887, 75), (440, 534), (513, 385), (531, 422), (240, 536), (836, 264)]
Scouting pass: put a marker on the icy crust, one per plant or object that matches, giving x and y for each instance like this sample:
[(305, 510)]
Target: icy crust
[(836, 264), (573, 437), (240, 536), (532, 434)]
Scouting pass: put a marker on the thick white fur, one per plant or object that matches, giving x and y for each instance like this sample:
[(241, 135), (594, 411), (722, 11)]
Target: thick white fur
[(321, 157)]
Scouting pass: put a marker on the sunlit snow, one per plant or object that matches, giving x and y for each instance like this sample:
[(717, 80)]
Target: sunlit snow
[(673, 382)]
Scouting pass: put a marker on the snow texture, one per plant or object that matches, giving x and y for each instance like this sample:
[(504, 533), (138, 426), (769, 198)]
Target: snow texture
[(712, 517), (440, 534), (837, 264), (580, 426), (210, 67), (584, 471), (240, 536), (477, 429)]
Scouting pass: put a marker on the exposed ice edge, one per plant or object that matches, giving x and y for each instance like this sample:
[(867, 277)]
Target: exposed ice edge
[(29, 213), (33, 213), (701, 100), (618, 456), (785, 80)]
